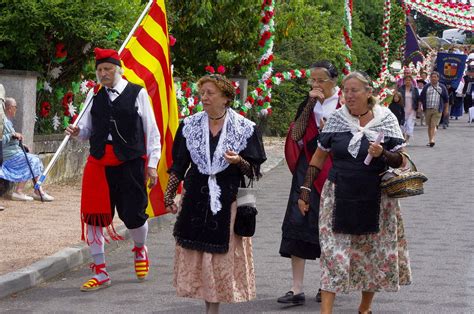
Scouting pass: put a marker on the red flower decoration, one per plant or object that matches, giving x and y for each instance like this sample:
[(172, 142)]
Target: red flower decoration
[(172, 40), (221, 69), (187, 92), (74, 118), (184, 85), (269, 111), (210, 69), (67, 99), (90, 84), (303, 73), (60, 51), (45, 109)]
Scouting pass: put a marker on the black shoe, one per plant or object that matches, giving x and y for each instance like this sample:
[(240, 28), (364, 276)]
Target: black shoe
[(291, 298), (318, 296)]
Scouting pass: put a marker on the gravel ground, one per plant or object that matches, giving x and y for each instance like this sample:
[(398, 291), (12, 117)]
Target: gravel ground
[(33, 230)]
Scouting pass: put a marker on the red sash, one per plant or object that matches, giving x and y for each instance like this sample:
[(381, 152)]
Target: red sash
[(95, 200)]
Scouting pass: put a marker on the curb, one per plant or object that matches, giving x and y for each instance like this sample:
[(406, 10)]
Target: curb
[(76, 256)]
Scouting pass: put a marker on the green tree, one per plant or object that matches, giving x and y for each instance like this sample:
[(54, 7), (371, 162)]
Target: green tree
[(214, 32), (305, 32), (30, 31)]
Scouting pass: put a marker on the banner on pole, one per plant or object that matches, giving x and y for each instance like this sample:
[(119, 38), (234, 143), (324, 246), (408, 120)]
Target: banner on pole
[(146, 61), (450, 67)]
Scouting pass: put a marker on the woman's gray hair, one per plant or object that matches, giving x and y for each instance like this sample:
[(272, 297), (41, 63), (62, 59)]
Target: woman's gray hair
[(364, 79)]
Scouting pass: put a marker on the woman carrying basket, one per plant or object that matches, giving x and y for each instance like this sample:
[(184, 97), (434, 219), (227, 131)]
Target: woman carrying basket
[(361, 232)]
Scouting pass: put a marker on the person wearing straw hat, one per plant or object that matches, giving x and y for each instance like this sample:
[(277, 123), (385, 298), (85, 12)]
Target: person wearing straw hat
[(19, 166), (124, 138)]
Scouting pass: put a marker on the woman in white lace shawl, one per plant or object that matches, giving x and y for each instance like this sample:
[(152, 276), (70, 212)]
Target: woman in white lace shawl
[(212, 151), (360, 229)]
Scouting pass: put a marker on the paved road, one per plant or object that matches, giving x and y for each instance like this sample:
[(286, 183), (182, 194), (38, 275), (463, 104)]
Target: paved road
[(439, 227)]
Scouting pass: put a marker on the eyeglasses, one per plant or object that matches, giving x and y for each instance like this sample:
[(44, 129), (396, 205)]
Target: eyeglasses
[(311, 81)]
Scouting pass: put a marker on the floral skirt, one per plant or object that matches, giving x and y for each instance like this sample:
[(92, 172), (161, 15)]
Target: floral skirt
[(227, 277), (372, 262), (16, 169)]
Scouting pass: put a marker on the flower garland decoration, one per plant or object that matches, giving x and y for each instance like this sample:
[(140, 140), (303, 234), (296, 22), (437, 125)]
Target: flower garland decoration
[(265, 64), (457, 14), (347, 32), (256, 97), (189, 103), (384, 72)]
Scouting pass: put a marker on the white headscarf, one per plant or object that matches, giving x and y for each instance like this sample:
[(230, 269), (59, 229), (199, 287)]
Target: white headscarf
[(384, 121)]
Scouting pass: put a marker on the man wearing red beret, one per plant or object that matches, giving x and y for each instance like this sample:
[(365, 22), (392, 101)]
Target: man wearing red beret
[(123, 136)]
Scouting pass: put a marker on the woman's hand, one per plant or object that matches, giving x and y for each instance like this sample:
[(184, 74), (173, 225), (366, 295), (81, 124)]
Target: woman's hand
[(303, 207), (317, 93), (232, 157), (18, 136), (375, 150), (173, 208)]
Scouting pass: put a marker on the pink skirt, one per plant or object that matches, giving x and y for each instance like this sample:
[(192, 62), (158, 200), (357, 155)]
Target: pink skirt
[(216, 278)]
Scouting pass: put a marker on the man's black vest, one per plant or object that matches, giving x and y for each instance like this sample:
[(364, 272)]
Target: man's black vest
[(119, 118)]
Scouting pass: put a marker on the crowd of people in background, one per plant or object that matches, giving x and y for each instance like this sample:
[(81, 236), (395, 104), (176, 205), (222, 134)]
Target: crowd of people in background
[(420, 98)]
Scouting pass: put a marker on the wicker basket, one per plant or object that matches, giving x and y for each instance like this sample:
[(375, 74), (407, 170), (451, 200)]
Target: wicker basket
[(399, 183)]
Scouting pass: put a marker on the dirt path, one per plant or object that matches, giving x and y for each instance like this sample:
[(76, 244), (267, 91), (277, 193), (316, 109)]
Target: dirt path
[(33, 230)]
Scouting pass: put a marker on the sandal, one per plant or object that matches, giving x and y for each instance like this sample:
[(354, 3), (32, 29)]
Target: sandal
[(94, 283), (142, 264)]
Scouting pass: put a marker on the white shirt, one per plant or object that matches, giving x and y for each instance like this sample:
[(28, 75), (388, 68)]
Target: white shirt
[(143, 105), (324, 110)]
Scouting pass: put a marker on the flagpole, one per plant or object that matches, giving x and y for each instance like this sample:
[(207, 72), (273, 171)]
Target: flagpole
[(81, 114), (125, 42)]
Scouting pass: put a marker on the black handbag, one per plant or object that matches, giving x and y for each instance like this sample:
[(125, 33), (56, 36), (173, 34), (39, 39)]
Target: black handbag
[(245, 219)]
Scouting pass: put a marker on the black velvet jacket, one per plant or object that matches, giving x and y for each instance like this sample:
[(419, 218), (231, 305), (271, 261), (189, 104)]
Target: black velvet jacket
[(196, 227)]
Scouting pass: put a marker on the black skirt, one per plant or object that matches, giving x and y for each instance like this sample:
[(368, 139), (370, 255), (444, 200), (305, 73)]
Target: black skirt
[(301, 233), (298, 248)]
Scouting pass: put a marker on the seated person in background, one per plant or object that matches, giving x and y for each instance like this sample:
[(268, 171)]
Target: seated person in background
[(15, 167), (2, 102)]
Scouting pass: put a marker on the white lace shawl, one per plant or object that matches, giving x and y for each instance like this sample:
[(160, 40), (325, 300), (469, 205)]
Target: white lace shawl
[(234, 135), (384, 121)]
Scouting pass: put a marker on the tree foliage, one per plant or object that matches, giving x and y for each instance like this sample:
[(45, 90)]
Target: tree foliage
[(214, 32), (30, 29), (55, 38)]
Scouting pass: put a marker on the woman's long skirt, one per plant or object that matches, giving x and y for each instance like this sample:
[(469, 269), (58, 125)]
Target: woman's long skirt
[(216, 278), (371, 262)]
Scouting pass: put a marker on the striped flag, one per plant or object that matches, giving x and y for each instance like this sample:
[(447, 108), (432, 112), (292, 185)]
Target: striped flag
[(146, 62)]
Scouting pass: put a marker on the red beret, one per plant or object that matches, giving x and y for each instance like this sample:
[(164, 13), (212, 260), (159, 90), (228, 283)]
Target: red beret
[(106, 55)]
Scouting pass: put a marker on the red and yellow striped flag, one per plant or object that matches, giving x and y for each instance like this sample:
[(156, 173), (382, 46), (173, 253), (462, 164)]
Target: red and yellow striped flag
[(146, 61)]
